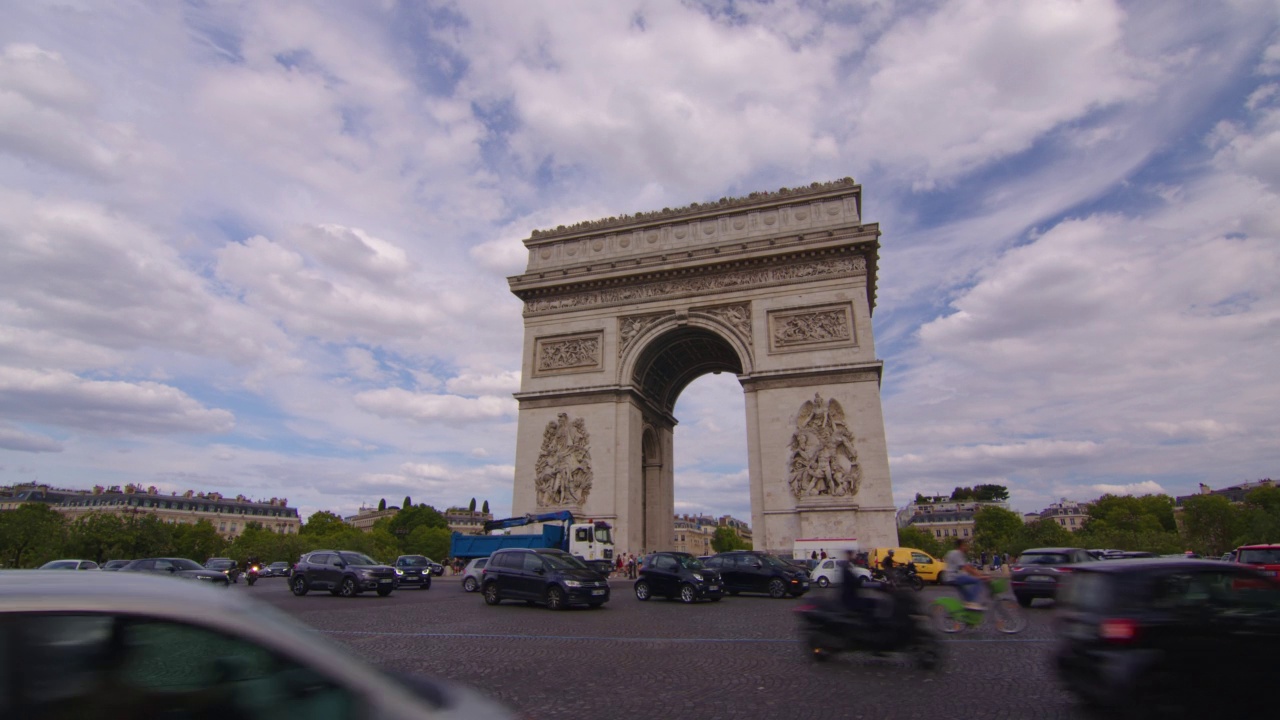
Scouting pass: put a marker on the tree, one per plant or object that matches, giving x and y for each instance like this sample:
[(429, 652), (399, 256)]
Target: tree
[(199, 541), (322, 522), (407, 503), (382, 504), (1211, 523), (914, 537), (1045, 533), (30, 534), (997, 530), (485, 510), (472, 506), (97, 536), (430, 541), (725, 539)]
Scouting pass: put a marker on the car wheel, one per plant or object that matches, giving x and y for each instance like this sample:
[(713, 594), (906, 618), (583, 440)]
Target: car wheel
[(688, 595), (469, 585), (347, 588), (556, 598), (824, 582), (777, 589), (491, 596), (299, 585), (642, 590), (384, 591), (1025, 601)]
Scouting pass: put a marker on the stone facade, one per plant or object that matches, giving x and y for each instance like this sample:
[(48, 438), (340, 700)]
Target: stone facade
[(1069, 514), (366, 516), (621, 314)]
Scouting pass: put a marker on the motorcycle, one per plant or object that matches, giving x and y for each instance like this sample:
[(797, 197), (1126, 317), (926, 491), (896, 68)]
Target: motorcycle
[(900, 577), (892, 622), (251, 575)]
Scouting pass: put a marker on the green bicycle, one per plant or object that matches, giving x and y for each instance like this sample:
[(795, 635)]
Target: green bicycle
[(951, 616)]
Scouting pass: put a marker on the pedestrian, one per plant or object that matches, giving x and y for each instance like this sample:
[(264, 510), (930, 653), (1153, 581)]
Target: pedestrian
[(823, 554), (813, 555)]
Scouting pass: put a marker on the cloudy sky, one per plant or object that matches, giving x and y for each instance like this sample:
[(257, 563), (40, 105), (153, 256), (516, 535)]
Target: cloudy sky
[(262, 248)]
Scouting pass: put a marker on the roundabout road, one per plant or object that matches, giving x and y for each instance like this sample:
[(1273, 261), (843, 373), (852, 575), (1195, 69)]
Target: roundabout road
[(739, 658)]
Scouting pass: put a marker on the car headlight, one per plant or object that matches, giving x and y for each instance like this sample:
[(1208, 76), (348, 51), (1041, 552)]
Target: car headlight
[(698, 577), (572, 583), (399, 571)]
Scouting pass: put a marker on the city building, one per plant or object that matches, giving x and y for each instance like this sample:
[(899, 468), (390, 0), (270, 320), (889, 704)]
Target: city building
[(467, 522), (693, 534), (366, 516), (1235, 493), (1067, 513), (942, 517), (229, 516)]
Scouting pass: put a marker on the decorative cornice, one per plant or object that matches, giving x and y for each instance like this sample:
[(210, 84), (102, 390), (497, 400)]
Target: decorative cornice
[(726, 203)]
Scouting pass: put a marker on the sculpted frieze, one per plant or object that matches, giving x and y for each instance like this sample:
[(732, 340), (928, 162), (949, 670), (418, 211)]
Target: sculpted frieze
[(629, 328), (563, 471), (823, 461), (736, 316), (581, 352), (810, 326)]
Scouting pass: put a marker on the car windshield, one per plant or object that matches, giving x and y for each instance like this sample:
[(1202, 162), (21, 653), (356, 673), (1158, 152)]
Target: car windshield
[(414, 562), (688, 562), (279, 564), (218, 564), (1260, 556), (1044, 559), (184, 564), (60, 565), (564, 562), (603, 535), (354, 558)]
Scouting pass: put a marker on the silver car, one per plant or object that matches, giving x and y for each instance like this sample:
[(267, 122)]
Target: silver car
[(471, 574), (70, 565), (130, 645)]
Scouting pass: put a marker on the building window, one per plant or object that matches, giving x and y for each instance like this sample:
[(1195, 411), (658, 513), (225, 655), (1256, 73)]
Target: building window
[(222, 527)]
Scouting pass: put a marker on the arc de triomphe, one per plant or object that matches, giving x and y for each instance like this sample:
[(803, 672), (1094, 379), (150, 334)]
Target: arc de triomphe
[(621, 314)]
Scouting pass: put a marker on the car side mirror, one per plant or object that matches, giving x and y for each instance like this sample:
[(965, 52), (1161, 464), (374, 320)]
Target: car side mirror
[(757, 564)]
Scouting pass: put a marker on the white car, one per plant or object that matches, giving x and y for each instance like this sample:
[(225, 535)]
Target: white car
[(70, 565), (471, 574), (827, 572)]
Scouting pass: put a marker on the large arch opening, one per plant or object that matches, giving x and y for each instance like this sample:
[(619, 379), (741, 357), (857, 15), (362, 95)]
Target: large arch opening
[(710, 459), (678, 357)]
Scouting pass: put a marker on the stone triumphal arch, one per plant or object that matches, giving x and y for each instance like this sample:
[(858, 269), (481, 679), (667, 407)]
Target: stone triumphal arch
[(621, 314)]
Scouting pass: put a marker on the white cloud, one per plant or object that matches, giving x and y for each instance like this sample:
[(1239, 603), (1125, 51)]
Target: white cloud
[(468, 383), (15, 438), (1147, 487), (430, 408)]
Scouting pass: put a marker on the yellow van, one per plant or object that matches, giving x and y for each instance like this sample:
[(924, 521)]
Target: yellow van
[(927, 566)]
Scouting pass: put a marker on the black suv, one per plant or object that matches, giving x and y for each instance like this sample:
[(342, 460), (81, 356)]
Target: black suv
[(341, 572), (757, 572), (677, 574), (1037, 572), (1162, 637), (546, 575), (414, 570)]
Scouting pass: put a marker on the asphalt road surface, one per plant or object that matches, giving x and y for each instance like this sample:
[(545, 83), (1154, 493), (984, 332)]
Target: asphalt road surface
[(739, 658)]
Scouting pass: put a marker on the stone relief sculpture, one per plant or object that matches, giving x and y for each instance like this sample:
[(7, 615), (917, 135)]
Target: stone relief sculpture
[(823, 326), (578, 352), (563, 470), (736, 316), (823, 460), (631, 327)]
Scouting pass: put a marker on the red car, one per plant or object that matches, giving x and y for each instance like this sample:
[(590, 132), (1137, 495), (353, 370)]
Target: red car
[(1265, 558)]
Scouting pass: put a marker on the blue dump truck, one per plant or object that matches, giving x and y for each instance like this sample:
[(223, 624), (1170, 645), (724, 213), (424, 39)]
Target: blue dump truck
[(591, 541)]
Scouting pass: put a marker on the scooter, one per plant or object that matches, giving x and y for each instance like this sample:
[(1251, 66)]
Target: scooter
[(890, 622), (251, 575)]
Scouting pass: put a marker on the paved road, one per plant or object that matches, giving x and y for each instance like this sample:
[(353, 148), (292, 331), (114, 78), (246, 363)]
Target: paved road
[(740, 658)]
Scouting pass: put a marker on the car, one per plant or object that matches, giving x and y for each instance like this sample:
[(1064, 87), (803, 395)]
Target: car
[(131, 646), (276, 569), (177, 567), (114, 565), (226, 566), (678, 574), (413, 570), (1037, 572), (70, 565), (547, 576), (342, 572), (1158, 637), (829, 573), (1128, 555), (753, 571), (929, 568), (471, 574), (1263, 558)]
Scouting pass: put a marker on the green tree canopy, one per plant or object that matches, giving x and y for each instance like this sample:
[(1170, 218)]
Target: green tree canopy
[(382, 504), (1211, 523), (406, 504), (322, 522), (486, 507), (914, 537), (31, 535), (725, 539), (472, 506), (998, 530)]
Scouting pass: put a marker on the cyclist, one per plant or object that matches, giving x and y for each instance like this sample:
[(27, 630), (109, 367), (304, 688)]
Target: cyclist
[(962, 574)]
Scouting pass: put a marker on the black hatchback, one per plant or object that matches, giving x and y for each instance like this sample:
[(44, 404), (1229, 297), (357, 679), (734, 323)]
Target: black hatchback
[(678, 574), (545, 575), (757, 572), (1162, 637), (413, 570)]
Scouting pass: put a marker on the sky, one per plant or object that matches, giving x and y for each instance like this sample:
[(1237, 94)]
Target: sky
[(262, 248)]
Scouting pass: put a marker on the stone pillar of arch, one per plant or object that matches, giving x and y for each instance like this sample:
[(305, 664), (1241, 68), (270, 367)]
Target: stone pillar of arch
[(621, 314)]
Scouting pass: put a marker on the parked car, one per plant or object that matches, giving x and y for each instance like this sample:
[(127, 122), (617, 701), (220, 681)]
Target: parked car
[(177, 567), (70, 565), (678, 574), (757, 572), (226, 566), (413, 570), (120, 646), (548, 576), (929, 568), (829, 572), (114, 565), (276, 569), (1264, 558), (1038, 571), (471, 574), (341, 572), (1160, 637)]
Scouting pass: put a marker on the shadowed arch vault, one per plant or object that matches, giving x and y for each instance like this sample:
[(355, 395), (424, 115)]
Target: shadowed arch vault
[(622, 314)]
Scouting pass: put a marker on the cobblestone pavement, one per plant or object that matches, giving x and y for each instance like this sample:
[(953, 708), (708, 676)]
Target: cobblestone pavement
[(740, 658)]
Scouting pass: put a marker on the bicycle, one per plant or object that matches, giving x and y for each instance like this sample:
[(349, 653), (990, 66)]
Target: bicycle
[(951, 616)]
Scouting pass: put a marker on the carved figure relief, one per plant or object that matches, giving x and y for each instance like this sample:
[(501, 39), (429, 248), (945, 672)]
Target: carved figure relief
[(737, 317), (574, 353), (700, 284), (810, 326), (823, 461), (629, 328), (563, 471)]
